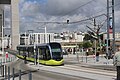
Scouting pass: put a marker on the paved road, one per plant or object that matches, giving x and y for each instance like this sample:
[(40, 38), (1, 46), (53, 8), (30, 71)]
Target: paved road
[(90, 63), (78, 72), (72, 70), (40, 74)]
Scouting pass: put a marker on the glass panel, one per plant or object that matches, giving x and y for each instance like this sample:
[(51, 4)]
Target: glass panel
[(48, 56), (56, 50)]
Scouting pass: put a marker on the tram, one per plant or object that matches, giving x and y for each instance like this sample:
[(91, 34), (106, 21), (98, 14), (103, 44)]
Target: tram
[(47, 53)]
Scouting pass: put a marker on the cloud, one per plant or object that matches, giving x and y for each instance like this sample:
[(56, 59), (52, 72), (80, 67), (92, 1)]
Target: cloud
[(61, 10)]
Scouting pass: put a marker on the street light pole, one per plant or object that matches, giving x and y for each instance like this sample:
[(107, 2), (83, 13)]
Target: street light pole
[(25, 38), (108, 25), (45, 32), (45, 35), (113, 25)]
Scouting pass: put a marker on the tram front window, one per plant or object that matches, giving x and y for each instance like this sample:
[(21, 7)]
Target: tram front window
[(56, 54), (56, 51)]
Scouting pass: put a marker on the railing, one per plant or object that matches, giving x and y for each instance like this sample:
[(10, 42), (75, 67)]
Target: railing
[(9, 73)]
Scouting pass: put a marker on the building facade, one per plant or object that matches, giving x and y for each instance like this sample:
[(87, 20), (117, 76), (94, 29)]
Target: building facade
[(36, 38)]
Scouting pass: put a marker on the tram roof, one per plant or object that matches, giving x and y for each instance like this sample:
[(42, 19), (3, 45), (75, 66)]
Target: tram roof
[(46, 44), (43, 44), (25, 45)]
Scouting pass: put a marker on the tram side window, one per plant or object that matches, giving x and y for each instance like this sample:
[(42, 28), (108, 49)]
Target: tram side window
[(31, 52), (21, 52), (43, 53), (48, 57), (40, 53)]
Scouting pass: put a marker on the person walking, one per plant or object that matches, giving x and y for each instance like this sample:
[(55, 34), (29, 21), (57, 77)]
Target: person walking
[(25, 55), (116, 62), (97, 56)]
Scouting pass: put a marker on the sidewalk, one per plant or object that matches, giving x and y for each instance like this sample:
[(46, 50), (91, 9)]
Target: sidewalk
[(75, 70), (89, 61)]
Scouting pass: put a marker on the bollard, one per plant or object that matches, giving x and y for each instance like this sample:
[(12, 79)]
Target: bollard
[(8, 59), (8, 72), (13, 71), (3, 60), (86, 59), (5, 72), (19, 74), (0, 61), (30, 75), (11, 59), (2, 70)]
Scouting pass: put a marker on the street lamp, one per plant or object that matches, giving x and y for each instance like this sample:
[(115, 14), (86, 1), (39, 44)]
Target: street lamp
[(45, 33), (31, 40), (44, 41)]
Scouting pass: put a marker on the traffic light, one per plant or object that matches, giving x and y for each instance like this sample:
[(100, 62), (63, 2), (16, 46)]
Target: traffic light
[(108, 42), (67, 21)]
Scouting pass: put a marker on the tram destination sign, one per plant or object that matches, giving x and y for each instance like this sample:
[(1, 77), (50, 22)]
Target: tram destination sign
[(5, 1)]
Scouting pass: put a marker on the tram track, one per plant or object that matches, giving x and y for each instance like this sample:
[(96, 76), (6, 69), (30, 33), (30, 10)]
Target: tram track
[(88, 70), (40, 74)]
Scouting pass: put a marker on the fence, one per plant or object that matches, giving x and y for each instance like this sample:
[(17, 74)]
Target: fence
[(9, 73)]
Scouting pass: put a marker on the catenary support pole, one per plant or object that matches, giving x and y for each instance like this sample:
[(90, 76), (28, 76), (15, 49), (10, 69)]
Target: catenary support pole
[(113, 25), (107, 30)]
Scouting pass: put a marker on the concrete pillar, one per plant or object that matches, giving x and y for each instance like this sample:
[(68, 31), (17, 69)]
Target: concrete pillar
[(15, 23), (1, 22), (0, 25)]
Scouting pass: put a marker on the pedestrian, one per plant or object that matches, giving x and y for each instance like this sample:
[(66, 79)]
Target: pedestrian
[(116, 62), (25, 55), (109, 53), (97, 56)]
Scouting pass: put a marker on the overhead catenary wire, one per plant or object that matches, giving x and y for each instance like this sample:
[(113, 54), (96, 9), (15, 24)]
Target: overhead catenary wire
[(69, 11), (56, 22)]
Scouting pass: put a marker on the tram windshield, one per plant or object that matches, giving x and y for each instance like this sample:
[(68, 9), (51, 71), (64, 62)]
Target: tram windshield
[(56, 50)]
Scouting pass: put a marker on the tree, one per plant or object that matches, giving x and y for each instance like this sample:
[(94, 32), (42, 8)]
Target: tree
[(87, 44), (87, 37)]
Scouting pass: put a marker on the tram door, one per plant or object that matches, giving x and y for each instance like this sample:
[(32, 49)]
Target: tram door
[(44, 53)]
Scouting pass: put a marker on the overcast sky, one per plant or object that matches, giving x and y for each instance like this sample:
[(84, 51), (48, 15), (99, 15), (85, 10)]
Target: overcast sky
[(32, 11)]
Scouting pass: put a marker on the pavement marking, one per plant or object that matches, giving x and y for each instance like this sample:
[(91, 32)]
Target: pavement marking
[(95, 71), (76, 71), (90, 70), (78, 68)]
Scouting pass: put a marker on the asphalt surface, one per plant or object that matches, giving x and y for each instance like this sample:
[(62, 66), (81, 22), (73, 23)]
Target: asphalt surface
[(69, 59)]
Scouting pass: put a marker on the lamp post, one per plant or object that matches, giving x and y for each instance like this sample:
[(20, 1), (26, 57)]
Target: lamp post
[(45, 31), (45, 35), (25, 38), (31, 40), (113, 25)]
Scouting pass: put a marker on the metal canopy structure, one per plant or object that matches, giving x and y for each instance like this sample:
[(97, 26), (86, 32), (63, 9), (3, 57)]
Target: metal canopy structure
[(5, 1)]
